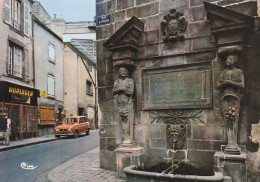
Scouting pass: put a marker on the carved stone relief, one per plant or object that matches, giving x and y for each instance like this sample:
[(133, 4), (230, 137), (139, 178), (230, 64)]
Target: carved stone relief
[(176, 121), (173, 26), (177, 116), (176, 135)]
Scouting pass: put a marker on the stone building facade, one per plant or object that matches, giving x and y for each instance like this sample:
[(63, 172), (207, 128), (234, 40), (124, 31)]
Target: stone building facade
[(174, 53)]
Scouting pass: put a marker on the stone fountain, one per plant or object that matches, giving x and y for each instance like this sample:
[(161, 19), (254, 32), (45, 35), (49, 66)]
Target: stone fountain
[(178, 95)]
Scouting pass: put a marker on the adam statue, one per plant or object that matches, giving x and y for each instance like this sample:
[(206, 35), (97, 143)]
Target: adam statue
[(124, 89), (231, 83)]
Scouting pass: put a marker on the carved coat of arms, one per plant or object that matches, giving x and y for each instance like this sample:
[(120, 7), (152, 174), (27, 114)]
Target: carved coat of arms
[(173, 26)]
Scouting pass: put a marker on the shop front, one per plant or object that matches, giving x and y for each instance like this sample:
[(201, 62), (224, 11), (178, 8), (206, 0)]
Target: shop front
[(19, 103)]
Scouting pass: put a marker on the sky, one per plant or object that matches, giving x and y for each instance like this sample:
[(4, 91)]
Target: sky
[(71, 10)]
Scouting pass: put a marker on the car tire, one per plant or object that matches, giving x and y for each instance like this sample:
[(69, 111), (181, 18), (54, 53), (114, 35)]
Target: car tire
[(76, 134), (57, 136), (88, 131)]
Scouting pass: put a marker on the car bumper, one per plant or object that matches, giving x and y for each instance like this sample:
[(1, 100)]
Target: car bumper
[(64, 134)]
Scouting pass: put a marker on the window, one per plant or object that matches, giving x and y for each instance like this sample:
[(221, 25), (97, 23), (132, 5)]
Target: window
[(26, 18), (17, 15), (14, 16), (51, 53), (51, 85), (15, 57), (89, 88)]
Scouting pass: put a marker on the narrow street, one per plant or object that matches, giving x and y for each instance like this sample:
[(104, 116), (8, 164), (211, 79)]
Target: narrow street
[(46, 156)]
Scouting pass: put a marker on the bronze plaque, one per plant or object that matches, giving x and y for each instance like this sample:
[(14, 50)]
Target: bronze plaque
[(185, 86)]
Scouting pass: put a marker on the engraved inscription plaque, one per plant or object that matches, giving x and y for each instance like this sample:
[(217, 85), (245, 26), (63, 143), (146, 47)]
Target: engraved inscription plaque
[(185, 86)]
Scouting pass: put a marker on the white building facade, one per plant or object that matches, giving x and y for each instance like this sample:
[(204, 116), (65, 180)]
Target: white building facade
[(48, 55)]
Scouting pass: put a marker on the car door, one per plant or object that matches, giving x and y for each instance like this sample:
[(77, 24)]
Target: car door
[(84, 124)]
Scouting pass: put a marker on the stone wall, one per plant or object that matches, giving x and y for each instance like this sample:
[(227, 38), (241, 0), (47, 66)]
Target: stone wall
[(204, 136)]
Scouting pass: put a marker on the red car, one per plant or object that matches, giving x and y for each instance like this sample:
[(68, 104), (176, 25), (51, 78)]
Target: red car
[(72, 126)]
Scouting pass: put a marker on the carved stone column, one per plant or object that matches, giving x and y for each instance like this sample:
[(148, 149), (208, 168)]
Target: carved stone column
[(229, 29)]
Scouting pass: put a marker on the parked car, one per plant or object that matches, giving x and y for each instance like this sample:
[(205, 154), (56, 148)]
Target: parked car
[(72, 126)]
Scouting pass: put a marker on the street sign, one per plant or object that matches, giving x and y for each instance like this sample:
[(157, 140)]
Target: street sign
[(102, 20)]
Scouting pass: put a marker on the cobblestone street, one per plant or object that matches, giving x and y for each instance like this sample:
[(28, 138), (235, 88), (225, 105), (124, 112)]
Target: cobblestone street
[(84, 167)]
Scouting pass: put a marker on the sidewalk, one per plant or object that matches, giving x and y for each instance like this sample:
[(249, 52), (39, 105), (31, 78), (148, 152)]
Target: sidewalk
[(26, 142), (83, 168)]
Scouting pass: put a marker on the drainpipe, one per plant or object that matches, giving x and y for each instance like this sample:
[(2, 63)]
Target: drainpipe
[(96, 106), (33, 62)]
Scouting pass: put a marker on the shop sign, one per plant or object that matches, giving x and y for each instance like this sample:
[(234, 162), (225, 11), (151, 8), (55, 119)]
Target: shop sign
[(20, 91), (13, 93), (43, 93)]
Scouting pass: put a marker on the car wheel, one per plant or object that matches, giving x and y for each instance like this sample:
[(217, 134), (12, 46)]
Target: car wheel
[(76, 134), (88, 131), (57, 136)]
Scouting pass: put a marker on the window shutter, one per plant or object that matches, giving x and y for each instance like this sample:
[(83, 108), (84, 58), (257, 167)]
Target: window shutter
[(7, 12), (26, 19), (51, 85), (91, 89), (52, 53)]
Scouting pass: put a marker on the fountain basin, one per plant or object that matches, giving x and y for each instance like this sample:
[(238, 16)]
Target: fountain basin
[(134, 175)]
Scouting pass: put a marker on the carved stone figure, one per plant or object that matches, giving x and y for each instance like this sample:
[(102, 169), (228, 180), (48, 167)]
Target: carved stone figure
[(124, 89), (176, 135), (173, 26), (231, 83)]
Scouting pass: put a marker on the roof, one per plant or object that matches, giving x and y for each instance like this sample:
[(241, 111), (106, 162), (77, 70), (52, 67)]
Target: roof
[(46, 28), (87, 47), (83, 56)]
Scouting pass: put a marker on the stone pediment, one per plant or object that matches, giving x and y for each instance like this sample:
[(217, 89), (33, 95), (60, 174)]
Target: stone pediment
[(127, 35), (124, 43), (224, 19)]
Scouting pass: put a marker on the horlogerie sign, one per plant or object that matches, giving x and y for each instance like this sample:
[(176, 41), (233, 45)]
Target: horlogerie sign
[(19, 91)]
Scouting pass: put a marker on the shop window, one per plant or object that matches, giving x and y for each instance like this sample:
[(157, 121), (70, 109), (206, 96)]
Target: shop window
[(47, 115), (14, 16), (15, 57), (52, 53), (89, 88), (51, 86)]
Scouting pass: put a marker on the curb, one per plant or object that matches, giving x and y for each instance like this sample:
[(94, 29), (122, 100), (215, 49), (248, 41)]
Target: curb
[(26, 144)]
